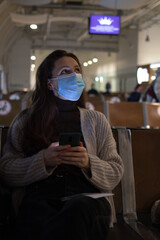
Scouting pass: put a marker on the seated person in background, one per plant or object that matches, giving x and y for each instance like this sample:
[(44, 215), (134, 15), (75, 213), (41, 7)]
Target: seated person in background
[(92, 91), (152, 92), (115, 99), (136, 94), (42, 172), (108, 88), (14, 96), (89, 105)]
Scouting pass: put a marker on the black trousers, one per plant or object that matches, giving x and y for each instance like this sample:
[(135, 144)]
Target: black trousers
[(44, 216)]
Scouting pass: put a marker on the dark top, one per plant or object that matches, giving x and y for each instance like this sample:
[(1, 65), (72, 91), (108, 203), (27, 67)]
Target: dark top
[(134, 97), (68, 121), (69, 116)]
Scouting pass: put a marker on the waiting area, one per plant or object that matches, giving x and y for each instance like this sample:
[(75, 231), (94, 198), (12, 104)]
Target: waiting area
[(133, 197), (136, 129)]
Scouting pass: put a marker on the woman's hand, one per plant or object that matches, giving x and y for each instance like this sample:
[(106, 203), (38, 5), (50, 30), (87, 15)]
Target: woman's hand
[(76, 156), (52, 154)]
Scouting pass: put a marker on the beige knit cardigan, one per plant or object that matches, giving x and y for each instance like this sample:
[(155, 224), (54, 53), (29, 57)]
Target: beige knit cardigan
[(106, 166)]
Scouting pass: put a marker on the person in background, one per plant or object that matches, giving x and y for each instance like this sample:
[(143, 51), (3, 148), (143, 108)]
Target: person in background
[(49, 179), (152, 92), (91, 95), (92, 91), (136, 94), (108, 88)]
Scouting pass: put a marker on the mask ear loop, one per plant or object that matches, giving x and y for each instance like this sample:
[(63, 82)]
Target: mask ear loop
[(53, 86), (50, 87)]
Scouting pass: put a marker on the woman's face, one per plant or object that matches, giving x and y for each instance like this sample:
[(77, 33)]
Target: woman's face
[(64, 66), (66, 79)]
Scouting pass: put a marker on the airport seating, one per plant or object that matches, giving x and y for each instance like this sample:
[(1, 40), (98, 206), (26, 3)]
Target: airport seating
[(151, 114), (127, 203), (121, 95), (8, 110), (142, 148), (128, 114), (132, 114), (140, 185), (96, 102), (26, 100), (146, 155), (14, 95)]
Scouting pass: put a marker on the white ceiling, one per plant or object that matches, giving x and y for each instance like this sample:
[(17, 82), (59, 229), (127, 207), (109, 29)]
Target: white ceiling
[(63, 23), (123, 4), (114, 4), (31, 2)]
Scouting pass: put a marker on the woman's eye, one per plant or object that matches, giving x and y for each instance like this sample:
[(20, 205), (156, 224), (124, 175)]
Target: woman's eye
[(68, 71), (64, 71), (77, 70)]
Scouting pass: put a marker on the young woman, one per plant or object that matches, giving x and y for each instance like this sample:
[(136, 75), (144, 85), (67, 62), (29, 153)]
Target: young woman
[(42, 172)]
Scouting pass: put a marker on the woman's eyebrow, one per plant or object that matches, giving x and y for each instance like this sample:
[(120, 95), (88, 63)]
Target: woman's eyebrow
[(67, 67), (77, 66), (63, 67)]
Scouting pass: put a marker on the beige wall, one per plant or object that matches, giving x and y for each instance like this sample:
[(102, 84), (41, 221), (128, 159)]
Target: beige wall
[(105, 67), (149, 52), (19, 65)]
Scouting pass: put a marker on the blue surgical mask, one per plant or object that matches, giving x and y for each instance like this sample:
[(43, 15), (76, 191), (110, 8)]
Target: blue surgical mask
[(70, 86)]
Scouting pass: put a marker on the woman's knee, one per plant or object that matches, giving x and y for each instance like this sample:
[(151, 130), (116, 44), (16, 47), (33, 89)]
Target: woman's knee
[(88, 205)]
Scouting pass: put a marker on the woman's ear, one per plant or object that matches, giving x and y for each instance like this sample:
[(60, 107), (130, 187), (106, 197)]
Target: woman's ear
[(50, 87)]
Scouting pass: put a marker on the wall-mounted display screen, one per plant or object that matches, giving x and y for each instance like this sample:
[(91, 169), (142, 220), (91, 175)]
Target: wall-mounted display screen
[(104, 24)]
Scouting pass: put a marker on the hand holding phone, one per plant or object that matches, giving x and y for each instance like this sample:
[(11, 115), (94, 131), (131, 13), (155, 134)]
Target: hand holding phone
[(71, 138), (77, 154)]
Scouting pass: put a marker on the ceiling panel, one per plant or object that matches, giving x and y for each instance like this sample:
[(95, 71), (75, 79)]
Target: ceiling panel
[(124, 4), (65, 23)]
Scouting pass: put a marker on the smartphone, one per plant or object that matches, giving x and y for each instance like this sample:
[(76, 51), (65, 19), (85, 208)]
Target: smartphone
[(71, 138)]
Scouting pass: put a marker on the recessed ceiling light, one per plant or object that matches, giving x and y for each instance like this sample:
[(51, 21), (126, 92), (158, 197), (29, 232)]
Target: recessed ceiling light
[(33, 57), (95, 60), (89, 62), (33, 26), (85, 64)]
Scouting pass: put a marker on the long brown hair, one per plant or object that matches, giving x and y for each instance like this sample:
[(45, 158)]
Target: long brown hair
[(41, 116)]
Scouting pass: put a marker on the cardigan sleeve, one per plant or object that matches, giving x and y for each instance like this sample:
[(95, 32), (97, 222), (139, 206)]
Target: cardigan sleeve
[(106, 166), (15, 168)]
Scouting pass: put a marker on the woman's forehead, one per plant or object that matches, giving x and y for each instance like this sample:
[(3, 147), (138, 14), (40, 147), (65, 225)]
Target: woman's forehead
[(66, 61)]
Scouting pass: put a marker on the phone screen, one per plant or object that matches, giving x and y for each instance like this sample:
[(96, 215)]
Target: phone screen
[(71, 138)]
